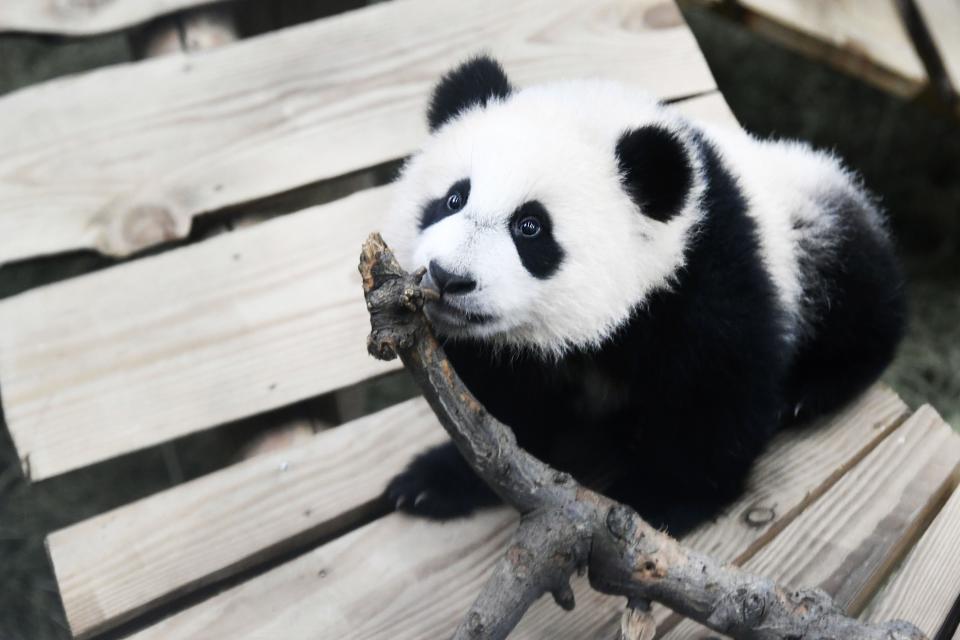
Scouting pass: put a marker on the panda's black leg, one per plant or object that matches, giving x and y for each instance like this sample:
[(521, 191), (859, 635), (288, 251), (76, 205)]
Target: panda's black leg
[(701, 465), (439, 484), (677, 508)]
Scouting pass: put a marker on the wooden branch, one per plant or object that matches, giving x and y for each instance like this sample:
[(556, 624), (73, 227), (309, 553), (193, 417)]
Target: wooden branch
[(566, 527)]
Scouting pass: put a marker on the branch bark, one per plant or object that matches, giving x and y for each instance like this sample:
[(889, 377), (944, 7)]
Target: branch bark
[(567, 528)]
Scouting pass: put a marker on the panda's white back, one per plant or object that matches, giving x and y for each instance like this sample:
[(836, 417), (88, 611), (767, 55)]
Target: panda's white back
[(790, 188)]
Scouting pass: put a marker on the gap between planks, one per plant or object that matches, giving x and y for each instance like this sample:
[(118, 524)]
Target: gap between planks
[(245, 322), (328, 591), (289, 108)]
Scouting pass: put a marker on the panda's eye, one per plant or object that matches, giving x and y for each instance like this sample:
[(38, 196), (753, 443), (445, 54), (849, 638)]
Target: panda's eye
[(455, 201), (529, 227)]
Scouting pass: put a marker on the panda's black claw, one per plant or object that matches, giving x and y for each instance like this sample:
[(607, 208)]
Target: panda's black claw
[(438, 484), (409, 493)]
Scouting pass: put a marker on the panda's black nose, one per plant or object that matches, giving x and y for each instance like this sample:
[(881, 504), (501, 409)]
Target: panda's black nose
[(450, 283)]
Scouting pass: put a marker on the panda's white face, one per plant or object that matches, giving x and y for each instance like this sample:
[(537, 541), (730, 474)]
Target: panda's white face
[(519, 211)]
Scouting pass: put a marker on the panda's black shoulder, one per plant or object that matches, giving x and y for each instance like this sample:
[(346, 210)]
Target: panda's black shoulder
[(720, 309)]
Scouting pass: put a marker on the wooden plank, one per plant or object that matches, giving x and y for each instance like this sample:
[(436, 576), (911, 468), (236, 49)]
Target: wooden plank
[(424, 575), (136, 355), (86, 165), (942, 18), (848, 541), (83, 17), (148, 351), (928, 584), (397, 578), (865, 40), (115, 565)]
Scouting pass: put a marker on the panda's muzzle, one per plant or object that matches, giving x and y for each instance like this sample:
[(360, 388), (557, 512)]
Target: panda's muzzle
[(452, 310), (449, 283)]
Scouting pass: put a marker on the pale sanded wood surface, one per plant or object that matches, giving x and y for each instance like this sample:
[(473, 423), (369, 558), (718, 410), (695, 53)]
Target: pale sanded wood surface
[(928, 584), (425, 575), (397, 578), (155, 349), (135, 355), (123, 158), (866, 39), (85, 17), (848, 541), (114, 565), (942, 18)]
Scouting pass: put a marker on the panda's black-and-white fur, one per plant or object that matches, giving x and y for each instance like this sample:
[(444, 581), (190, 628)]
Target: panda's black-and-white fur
[(645, 300)]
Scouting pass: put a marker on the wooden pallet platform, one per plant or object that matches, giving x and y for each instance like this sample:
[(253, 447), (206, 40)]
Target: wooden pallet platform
[(296, 543)]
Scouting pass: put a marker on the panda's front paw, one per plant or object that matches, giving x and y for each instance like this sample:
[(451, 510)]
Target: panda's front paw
[(414, 493), (438, 484)]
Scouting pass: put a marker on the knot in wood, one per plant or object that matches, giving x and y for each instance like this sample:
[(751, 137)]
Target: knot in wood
[(521, 560), (743, 608), (753, 608), (758, 517), (620, 522), (147, 225), (382, 348), (812, 600), (474, 624)]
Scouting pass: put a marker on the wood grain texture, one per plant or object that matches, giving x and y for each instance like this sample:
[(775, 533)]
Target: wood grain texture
[(928, 583), (942, 18), (848, 541), (123, 158), (115, 565), (85, 17), (135, 355), (435, 570), (865, 39), (148, 351)]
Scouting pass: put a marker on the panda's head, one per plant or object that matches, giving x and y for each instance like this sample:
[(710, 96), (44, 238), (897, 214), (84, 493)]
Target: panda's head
[(546, 215)]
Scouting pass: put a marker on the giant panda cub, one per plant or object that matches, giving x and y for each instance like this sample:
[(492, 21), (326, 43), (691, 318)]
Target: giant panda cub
[(642, 298)]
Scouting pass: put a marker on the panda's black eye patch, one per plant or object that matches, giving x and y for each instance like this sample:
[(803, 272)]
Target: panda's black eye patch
[(439, 208), (532, 231)]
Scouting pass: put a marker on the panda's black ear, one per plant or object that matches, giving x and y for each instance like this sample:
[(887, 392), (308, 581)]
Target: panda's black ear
[(655, 169), (471, 84)]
